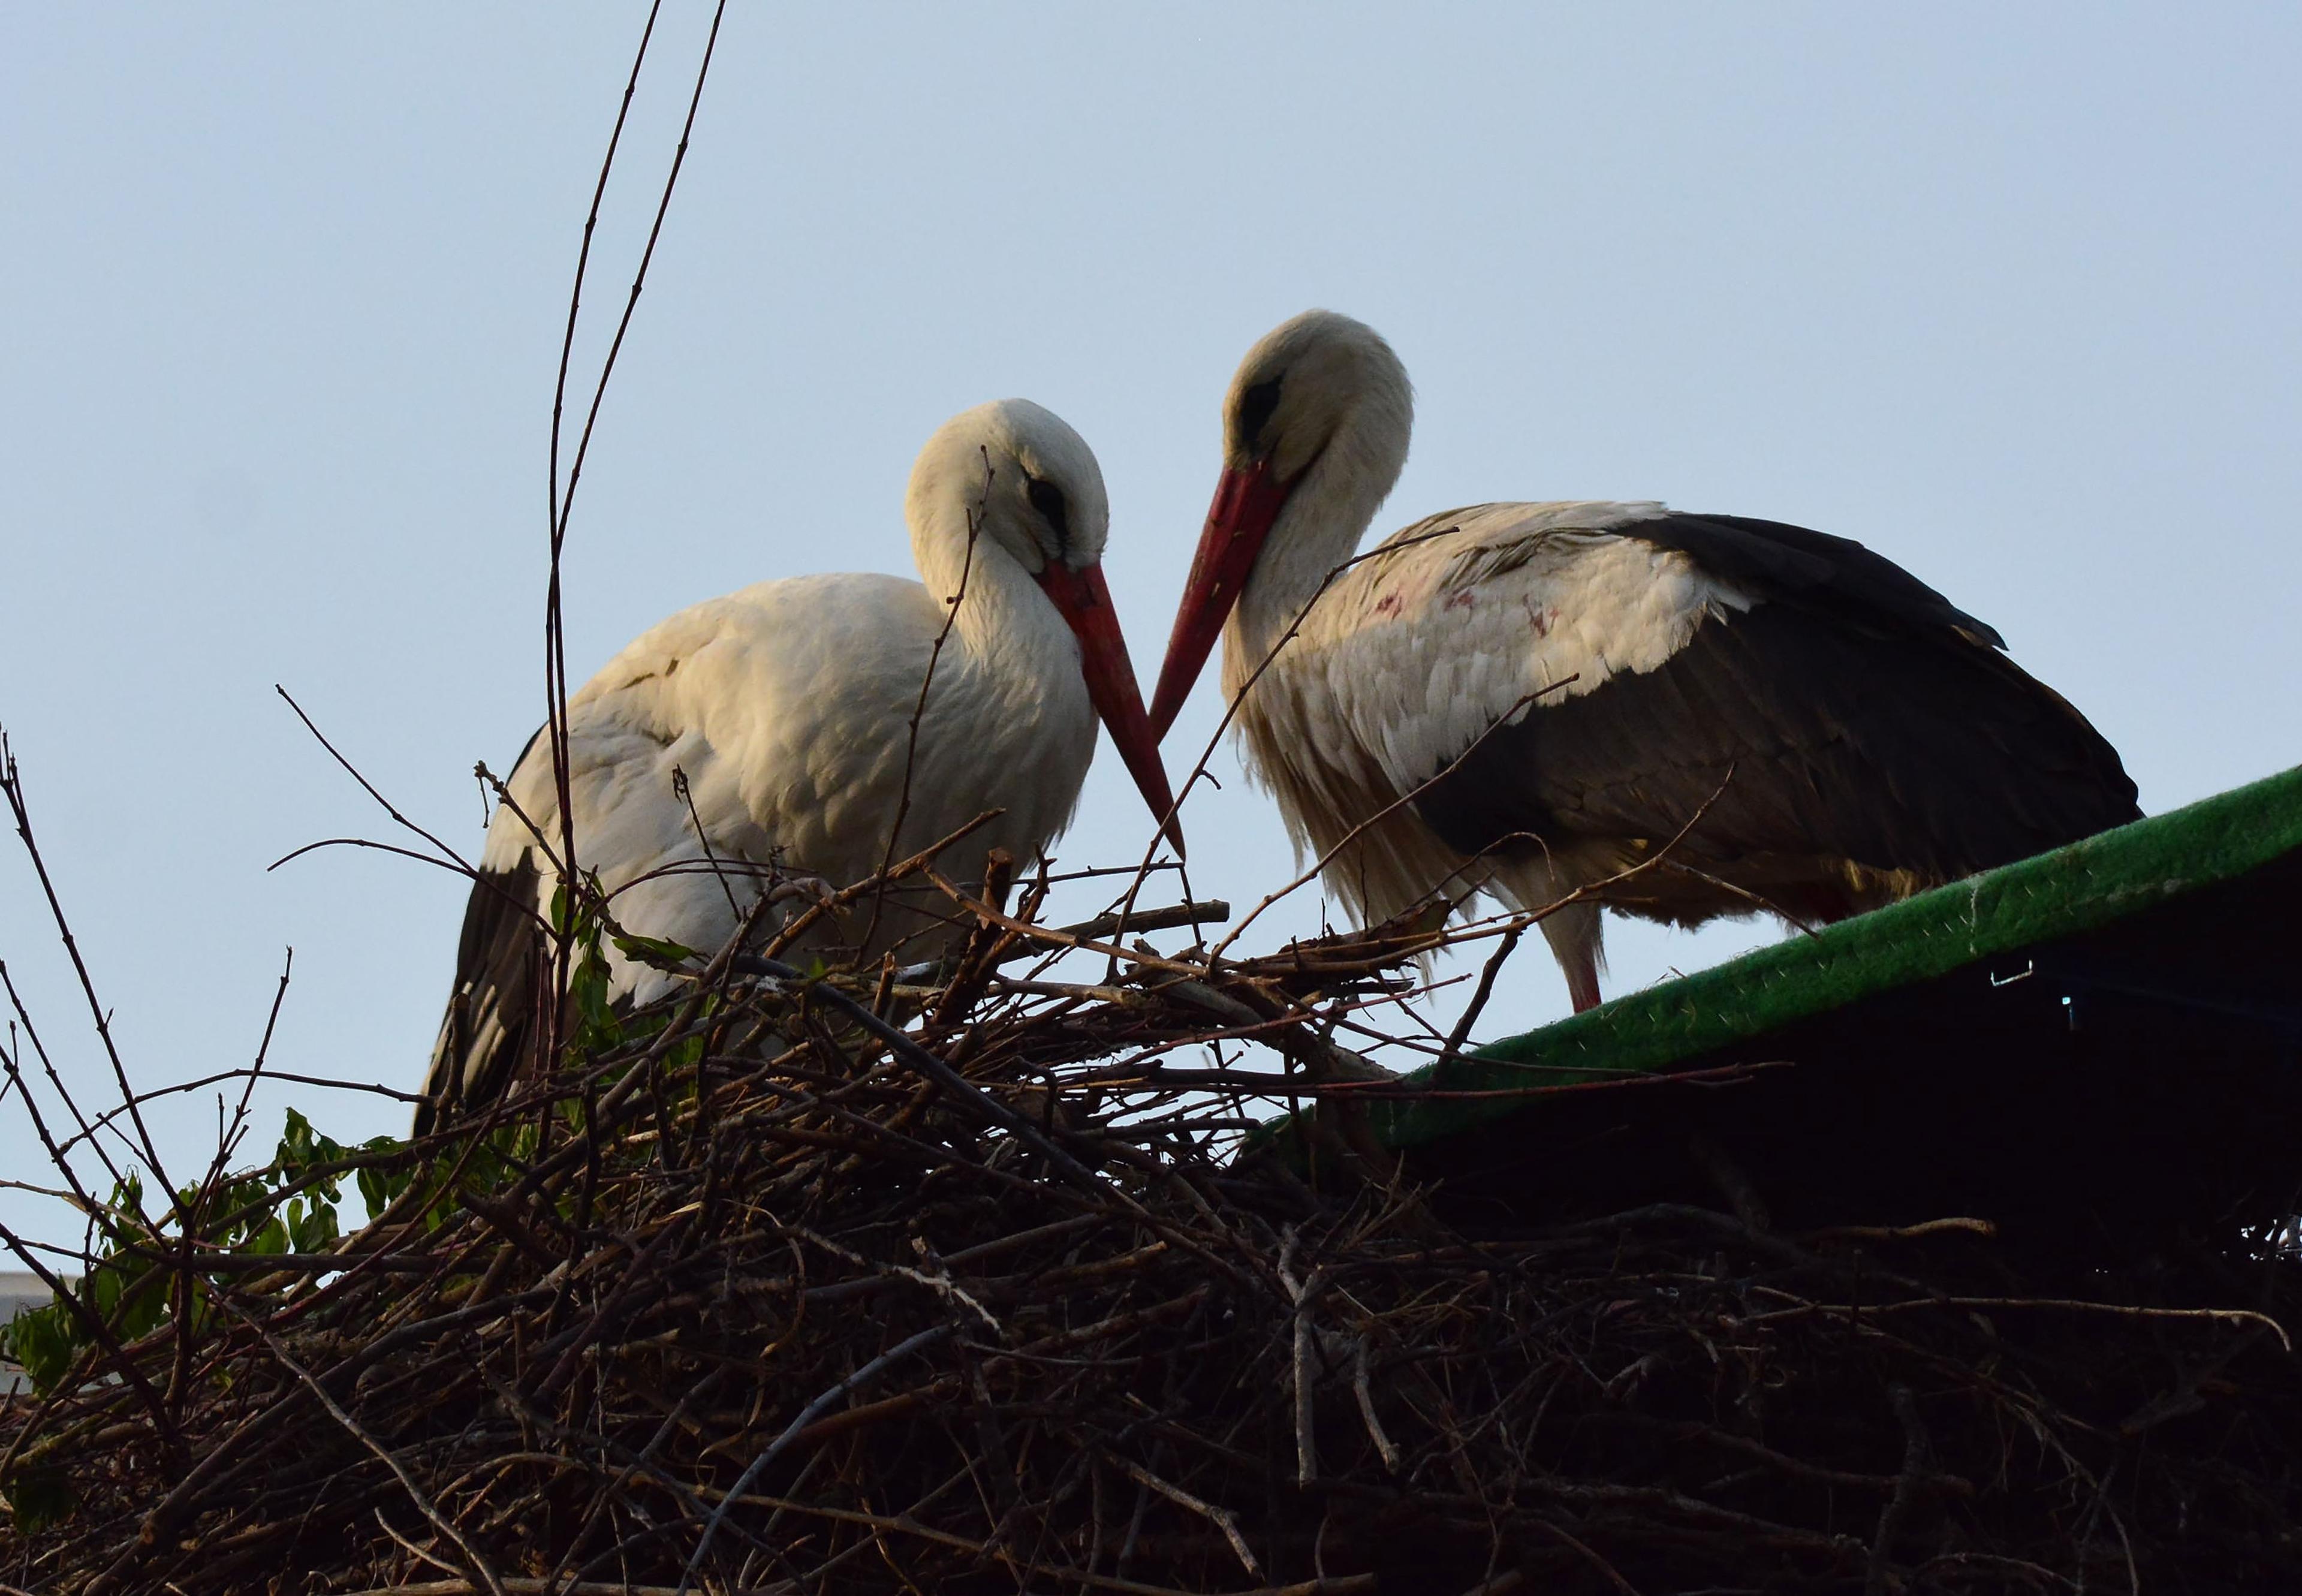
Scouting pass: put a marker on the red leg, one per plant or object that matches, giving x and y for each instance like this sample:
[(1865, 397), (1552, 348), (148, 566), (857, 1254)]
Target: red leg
[(1574, 935), (1582, 981)]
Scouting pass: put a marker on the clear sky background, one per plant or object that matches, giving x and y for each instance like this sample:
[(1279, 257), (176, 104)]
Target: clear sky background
[(2007, 292)]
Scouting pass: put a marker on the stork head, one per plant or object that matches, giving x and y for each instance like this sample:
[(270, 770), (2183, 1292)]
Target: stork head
[(1011, 480), (1316, 424)]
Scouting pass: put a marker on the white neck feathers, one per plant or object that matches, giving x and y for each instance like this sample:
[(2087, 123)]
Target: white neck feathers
[(1324, 518)]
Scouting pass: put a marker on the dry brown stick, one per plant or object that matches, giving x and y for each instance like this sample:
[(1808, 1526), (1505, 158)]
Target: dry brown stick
[(1305, 1292), (806, 1416), (374, 1088), (12, 786), (1361, 1387), (805, 919), (210, 1468), (1049, 935), (515, 1586), (1606, 1570), (686, 795), (2058, 1304), (1461, 1034), (1103, 927), (1797, 1467), (228, 1140), (935, 1069), (218, 1261), (1393, 1089), (873, 1412), (1109, 1328), (1322, 1059), (410, 1547), (620, 1304), (1881, 1580), (81, 1196), (976, 516), (563, 501), (1098, 1268), (509, 1226), (1348, 1132), (1221, 1519), (481, 1568), (456, 861), (1350, 1584), (117, 1358), (555, 661), (941, 1284), (1932, 1227), (1032, 1237)]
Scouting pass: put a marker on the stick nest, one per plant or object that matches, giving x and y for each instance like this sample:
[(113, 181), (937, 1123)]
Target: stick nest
[(749, 1299)]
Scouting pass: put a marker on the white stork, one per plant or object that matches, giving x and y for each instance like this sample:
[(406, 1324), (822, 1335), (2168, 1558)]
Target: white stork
[(787, 709), (1533, 699)]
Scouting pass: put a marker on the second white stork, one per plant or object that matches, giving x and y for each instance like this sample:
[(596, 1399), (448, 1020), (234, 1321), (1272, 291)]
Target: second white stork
[(770, 734), (1534, 699)]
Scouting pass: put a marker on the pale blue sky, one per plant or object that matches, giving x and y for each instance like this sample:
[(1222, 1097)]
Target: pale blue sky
[(2008, 292)]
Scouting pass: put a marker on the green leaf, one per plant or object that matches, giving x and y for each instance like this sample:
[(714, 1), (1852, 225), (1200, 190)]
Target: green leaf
[(656, 950), (379, 1188), (102, 1289), (42, 1341), (295, 1144), (37, 1498), (269, 1242), (313, 1228), (146, 1297)]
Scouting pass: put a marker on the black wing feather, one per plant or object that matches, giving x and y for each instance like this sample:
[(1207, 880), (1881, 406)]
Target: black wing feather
[(502, 976), (1854, 715), (1797, 563)]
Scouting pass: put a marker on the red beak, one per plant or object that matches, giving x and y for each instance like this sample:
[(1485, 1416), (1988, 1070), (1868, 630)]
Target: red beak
[(1085, 603), (1247, 503)]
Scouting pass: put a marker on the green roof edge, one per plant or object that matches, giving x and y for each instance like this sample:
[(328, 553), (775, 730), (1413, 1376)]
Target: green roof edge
[(2058, 893)]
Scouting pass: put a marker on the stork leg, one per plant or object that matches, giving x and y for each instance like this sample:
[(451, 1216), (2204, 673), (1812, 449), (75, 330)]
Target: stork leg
[(1574, 935)]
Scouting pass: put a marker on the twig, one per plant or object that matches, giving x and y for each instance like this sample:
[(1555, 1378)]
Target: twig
[(1105, 927), (1461, 1033), (1305, 1292), (481, 1568), (373, 1088), (1384, 1445), (2053, 1304), (12, 785), (1932, 1227), (562, 502), (1183, 1498), (1881, 1581), (686, 795), (806, 1416), (952, 601), (455, 859)]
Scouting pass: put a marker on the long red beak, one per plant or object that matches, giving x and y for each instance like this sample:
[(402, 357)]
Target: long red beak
[(1247, 503), (1085, 604)]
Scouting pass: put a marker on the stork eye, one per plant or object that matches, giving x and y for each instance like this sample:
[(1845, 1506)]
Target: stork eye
[(1048, 499), (1257, 406)]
